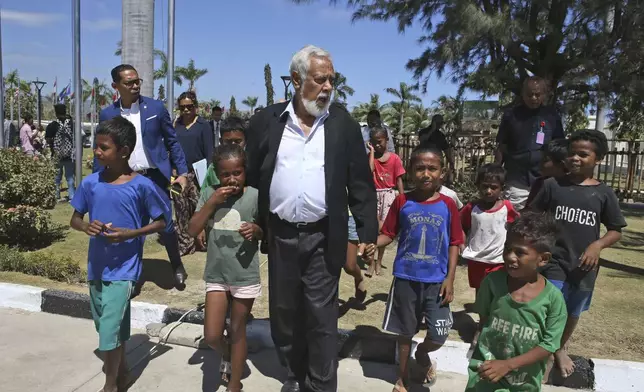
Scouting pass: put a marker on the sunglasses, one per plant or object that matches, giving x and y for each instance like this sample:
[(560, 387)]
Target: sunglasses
[(133, 82), (186, 107)]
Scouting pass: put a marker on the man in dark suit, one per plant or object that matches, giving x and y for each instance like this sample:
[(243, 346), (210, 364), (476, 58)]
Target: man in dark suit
[(157, 150), (308, 161), (217, 112)]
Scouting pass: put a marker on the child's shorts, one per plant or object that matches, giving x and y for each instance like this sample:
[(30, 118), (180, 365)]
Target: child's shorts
[(386, 198), (353, 234), (477, 270), (110, 305), (241, 292), (409, 302), (577, 301)]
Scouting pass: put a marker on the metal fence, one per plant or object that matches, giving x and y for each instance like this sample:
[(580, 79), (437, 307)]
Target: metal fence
[(621, 169)]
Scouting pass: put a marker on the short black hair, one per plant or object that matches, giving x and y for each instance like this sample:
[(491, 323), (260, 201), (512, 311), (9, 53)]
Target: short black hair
[(116, 71), (426, 150), (27, 117), (228, 151), (375, 131), (121, 131), (556, 150), (233, 123), (374, 112), (191, 95), (595, 137), (537, 228), (490, 172), (60, 109), (216, 109)]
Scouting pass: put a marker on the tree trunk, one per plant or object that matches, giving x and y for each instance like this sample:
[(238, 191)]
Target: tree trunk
[(402, 117), (138, 40)]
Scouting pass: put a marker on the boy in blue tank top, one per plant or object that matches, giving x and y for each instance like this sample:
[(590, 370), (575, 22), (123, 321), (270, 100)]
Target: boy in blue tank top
[(429, 230)]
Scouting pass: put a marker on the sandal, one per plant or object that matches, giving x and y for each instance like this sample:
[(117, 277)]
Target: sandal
[(428, 374)]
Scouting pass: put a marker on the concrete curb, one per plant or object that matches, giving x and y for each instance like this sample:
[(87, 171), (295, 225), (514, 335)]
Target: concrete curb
[(363, 343)]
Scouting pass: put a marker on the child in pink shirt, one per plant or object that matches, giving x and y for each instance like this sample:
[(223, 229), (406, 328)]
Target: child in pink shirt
[(387, 171)]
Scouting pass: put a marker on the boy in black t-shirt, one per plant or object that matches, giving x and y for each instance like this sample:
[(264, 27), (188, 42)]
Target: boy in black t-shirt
[(579, 203)]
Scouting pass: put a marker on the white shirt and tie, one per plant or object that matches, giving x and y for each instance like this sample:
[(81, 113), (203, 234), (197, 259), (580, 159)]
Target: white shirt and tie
[(139, 159), (298, 188)]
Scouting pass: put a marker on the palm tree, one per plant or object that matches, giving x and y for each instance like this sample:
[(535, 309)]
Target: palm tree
[(341, 89), (251, 102), (190, 73), (268, 81), (138, 26), (162, 71), (102, 92), (360, 111), (405, 97), (417, 117)]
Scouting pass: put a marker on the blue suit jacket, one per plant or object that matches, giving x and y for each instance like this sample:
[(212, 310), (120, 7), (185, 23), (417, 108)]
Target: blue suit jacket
[(159, 138)]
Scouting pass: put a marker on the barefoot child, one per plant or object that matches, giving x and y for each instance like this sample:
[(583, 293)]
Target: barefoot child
[(117, 200), (232, 261), (484, 222), (522, 314), (429, 230), (580, 204), (387, 171)]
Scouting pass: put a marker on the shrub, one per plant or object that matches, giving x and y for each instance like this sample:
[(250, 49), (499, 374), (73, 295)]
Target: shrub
[(26, 181), (45, 264), (466, 190), (28, 228)]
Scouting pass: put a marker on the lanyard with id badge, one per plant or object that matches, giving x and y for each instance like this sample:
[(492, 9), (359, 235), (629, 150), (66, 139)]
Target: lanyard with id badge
[(540, 134)]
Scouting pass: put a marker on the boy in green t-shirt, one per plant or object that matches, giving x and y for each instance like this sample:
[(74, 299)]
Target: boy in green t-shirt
[(522, 314)]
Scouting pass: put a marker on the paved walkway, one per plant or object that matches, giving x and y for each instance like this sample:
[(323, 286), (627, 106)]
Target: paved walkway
[(44, 352)]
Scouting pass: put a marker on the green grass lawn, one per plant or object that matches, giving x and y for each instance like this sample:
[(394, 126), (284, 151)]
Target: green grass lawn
[(613, 328)]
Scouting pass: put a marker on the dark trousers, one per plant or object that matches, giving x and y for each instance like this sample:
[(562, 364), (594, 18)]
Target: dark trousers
[(303, 296), (169, 235)]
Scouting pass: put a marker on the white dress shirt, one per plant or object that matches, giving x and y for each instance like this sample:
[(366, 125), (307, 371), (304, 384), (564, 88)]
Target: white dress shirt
[(298, 189), (139, 159)]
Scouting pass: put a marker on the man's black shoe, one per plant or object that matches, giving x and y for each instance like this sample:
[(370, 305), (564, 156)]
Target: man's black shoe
[(180, 276), (291, 386)]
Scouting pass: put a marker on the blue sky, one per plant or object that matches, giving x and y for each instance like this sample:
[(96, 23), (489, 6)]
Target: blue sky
[(233, 39)]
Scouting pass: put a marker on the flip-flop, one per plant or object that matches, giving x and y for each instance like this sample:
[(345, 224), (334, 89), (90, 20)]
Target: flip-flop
[(427, 371)]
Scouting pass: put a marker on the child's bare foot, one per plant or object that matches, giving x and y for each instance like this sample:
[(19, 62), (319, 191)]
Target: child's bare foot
[(378, 269), (565, 364), (399, 386), (370, 270)]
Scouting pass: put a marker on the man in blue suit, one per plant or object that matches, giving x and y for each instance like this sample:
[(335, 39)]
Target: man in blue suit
[(156, 152)]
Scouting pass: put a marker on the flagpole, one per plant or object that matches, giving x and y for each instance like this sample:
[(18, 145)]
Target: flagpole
[(1, 89), (78, 92), (169, 89)]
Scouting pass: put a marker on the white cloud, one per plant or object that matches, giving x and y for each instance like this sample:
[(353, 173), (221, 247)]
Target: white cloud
[(101, 24), (31, 19)]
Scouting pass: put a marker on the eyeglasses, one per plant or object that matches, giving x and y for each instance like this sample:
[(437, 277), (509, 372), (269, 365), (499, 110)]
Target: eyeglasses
[(186, 107), (133, 82)]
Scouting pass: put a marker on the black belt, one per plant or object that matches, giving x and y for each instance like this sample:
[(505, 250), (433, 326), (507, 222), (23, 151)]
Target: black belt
[(303, 226)]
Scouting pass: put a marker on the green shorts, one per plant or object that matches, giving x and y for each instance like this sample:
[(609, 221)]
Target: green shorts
[(110, 304)]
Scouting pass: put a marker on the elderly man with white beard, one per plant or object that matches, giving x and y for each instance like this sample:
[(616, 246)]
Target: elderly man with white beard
[(307, 159)]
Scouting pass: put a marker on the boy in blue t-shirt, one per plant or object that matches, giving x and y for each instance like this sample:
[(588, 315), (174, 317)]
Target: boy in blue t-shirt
[(118, 200), (429, 230)]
